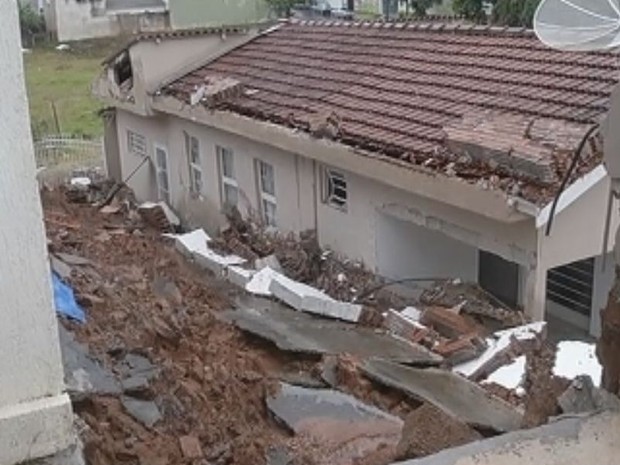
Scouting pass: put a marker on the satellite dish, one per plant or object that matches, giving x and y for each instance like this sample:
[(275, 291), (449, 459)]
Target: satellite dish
[(578, 25)]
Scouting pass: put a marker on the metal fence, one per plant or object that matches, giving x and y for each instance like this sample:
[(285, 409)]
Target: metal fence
[(60, 157)]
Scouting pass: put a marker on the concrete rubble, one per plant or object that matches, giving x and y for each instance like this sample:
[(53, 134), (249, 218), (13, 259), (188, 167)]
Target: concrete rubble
[(347, 429), (84, 375), (174, 366), (429, 430), (452, 393), (582, 440), (502, 347), (143, 411), (583, 397), (300, 332)]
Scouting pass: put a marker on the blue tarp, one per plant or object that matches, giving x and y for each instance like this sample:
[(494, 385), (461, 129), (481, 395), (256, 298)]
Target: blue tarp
[(64, 300)]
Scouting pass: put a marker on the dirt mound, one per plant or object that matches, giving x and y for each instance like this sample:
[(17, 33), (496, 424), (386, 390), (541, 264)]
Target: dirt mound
[(429, 430)]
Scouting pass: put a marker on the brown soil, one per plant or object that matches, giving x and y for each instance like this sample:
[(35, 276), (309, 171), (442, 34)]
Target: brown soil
[(429, 430), (141, 295), (213, 379), (542, 387)]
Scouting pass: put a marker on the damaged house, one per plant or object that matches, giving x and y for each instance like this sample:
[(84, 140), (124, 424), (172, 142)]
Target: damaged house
[(426, 151)]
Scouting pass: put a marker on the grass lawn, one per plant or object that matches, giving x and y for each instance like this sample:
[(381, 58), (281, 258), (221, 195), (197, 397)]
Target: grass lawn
[(64, 77)]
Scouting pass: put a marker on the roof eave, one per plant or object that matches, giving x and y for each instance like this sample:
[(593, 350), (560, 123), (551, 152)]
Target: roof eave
[(405, 176)]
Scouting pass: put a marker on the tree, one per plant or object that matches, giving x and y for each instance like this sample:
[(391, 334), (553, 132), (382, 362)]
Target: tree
[(283, 7), (30, 22), (516, 13), (418, 7), (470, 9)]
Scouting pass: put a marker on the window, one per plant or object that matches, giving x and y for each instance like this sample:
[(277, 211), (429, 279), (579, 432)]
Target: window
[(161, 167), (335, 189), (267, 192), (229, 187), (192, 150), (572, 285), (136, 143)]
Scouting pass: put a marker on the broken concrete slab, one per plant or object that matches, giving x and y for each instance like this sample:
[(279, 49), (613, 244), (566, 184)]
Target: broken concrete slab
[(239, 276), (583, 397), (452, 393), (428, 430), (215, 262), (135, 385), (75, 260), (270, 261), (143, 411), (193, 241), (300, 332), (348, 428), (403, 326), (60, 268), (261, 282), (580, 440), (309, 299), (501, 349), (134, 364), (84, 375)]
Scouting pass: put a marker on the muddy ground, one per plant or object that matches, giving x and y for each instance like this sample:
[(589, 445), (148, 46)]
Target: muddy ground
[(142, 296)]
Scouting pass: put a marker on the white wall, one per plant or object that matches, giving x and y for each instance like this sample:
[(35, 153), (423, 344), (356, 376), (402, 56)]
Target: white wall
[(405, 250), (354, 232), (293, 174), (74, 21), (35, 415)]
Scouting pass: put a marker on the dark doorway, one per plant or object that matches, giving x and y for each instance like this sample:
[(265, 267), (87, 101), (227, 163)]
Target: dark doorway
[(350, 5), (499, 277)]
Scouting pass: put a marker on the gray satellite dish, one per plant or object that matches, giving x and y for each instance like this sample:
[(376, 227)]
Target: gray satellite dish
[(578, 25)]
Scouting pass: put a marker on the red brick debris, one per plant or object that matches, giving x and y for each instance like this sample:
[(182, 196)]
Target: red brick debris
[(393, 88)]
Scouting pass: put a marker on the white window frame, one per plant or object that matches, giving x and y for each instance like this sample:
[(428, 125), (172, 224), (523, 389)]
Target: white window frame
[(194, 167), (330, 178), (265, 197), (225, 179), (162, 193), (132, 136)]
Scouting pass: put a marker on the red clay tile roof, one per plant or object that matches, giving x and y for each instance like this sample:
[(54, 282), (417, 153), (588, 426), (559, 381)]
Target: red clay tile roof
[(394, 87)]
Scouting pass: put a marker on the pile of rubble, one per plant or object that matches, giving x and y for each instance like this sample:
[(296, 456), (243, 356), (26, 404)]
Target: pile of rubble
[(232, 352)]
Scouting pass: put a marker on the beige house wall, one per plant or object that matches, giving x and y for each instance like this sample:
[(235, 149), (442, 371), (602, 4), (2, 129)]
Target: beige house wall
[(365, 230)]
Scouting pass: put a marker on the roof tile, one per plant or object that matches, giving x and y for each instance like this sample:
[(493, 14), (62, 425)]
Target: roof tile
[(397, 87)]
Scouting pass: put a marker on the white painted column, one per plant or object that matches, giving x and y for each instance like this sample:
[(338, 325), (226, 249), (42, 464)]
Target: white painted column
[(535, 291), (35, 415)]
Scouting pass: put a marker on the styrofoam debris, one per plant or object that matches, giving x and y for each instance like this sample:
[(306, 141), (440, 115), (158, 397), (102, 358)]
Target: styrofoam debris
[(261, 281), (307, 298), (81, 181), (216, 262), (509, 376), (239, 276), (499, 342), (411, 313), (574, 358), (170, 215), (191, 242)]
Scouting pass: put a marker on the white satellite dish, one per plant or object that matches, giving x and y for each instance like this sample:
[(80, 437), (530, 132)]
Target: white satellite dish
[(578, 25)]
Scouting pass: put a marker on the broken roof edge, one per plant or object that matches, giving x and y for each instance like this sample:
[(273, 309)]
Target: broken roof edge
[(190, 32), (185, 70), (415, 179), (571, 194), (423, 24)]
